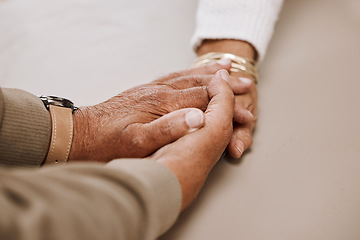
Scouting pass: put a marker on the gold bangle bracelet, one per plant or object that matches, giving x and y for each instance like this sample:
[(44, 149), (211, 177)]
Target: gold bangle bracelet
[(238, 64), (232, 57)]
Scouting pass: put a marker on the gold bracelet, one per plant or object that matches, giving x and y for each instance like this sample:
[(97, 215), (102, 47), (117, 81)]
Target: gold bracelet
[(238, 64)]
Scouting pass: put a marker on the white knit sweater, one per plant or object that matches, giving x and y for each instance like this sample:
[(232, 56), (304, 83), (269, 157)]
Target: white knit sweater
[(249, 20)]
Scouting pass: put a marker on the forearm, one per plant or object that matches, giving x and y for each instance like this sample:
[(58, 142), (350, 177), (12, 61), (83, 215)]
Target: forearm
[(128, 199)]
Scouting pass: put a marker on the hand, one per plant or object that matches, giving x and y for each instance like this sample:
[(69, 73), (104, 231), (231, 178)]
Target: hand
[(139, 121), (192, 157), (245, 104), (242, 137)]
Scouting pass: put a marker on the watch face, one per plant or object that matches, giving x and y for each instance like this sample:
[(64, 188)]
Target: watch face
[(57, 101)]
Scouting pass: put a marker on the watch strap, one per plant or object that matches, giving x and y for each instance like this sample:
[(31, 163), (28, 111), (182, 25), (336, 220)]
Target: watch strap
[(61, 135)]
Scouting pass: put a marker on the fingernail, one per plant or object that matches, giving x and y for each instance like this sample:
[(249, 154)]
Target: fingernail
[(240, 148), (245, 80), (194, 119), (224, 62), (224, 75)]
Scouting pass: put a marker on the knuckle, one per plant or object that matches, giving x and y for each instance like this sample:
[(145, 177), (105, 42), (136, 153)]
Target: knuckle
[(195, 80), (247, 139), (155, 95), (166, 130), (162, 94), (197, 97), (204, 94), (138, 141), (139, 145), (250, 107), (200, 93), (172, 76)]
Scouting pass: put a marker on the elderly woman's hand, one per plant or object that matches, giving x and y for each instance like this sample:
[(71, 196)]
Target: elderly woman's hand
[(139, 121), (245, 115)]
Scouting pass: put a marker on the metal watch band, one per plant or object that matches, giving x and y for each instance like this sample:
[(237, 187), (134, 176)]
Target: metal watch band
[(61, 135)]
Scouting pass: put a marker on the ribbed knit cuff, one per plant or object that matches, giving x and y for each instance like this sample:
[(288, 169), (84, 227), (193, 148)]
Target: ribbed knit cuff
[(252, 21), (25, 129), (159, 186)]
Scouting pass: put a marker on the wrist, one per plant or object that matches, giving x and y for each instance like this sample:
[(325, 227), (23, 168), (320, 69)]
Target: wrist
[(237, 47)]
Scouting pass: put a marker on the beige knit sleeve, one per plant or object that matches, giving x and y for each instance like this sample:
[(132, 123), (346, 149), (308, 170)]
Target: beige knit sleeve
[(25, 129), (128, 199)]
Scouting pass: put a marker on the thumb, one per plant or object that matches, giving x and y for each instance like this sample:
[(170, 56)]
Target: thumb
[(172, 126)]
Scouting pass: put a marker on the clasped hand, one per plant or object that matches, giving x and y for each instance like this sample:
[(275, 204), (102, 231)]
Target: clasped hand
[(143, 119)]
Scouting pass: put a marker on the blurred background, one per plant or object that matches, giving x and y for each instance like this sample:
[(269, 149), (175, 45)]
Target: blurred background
[(301, 178)]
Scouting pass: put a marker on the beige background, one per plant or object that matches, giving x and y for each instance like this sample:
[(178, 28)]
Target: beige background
[(301, 179)]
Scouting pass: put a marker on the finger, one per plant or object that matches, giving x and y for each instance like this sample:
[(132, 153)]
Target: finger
[(245, 111), (171, 127), (241, 85), (211, 140), (245, 102), (220, 111), (222, 98), (240, 140), (208, 69), (238, 85), (242, 115), (196, 97), (192, 157)]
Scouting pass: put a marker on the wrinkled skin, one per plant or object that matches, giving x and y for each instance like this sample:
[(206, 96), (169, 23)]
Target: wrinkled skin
[(141, 120), (192, 157)]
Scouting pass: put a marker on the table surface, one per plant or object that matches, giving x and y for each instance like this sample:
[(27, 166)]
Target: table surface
[(301, 178)]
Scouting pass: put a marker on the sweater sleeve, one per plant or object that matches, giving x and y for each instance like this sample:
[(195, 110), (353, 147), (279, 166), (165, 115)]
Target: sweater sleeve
[(249, 20), (127, 199), (25, 128)]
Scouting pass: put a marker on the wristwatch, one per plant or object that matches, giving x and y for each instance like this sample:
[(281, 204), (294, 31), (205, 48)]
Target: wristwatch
[(57, 101), (61, 110)]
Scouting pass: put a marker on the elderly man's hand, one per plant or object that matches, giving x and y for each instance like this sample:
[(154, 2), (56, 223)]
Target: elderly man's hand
[(139, 121), (192, 157)]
